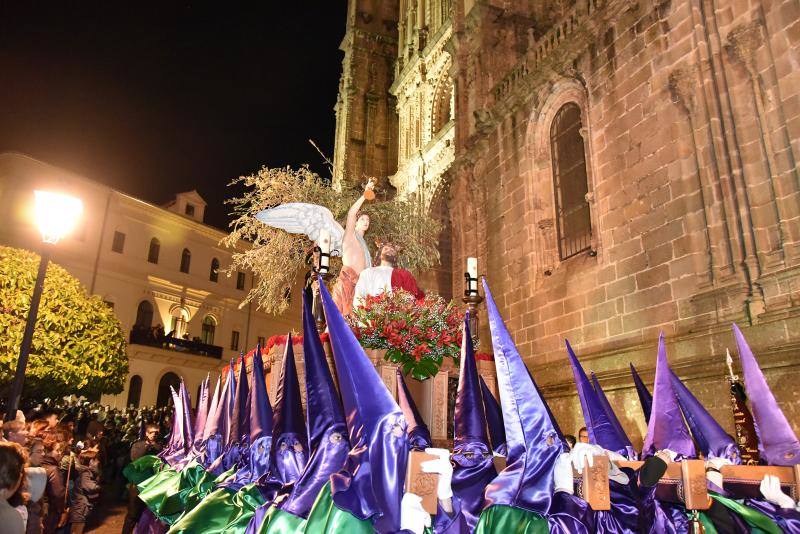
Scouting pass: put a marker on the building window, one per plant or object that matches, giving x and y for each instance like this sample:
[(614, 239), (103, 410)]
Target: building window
[(240, 280), (262, 342), (134, 391), (207, 330), (178, 326), (155, 249), (442, 105), (287, 295), (164, 395), (186, 259), (234, 340), (214, 276), (118, 245), (144, 315), (189, 210), (570, 182)]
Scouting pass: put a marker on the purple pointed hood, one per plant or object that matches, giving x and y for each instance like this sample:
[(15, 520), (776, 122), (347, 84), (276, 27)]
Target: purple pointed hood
[(188, 424), (629, 451), (778, 445), (418, 434), (645, 398), (175, 445), (494, 419), (666, 429), (289, 440), (261, 415), (211, 418), (473, 462), (710, 438), (377, 429), (327, 429), (202, 411), (218, 428), (239, 431), (599, 426), (531, 438), (254, 461)]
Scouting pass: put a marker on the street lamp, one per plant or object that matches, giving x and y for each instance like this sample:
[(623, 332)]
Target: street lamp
[(56, 216)]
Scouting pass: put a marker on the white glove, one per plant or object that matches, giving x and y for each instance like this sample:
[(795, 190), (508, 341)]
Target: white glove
[(444, 468), (713, 465), (585, 450), (771, 490), (617, 475), (413, 516), (562, 474), (666, 453)]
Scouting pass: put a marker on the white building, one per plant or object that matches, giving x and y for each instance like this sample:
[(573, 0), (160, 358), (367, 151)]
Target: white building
[(155, 266)]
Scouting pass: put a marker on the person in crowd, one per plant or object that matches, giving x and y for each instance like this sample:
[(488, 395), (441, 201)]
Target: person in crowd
[(148, 445), (55, 445), (12, 480), (583, 435), (85, 491), (570, 439)]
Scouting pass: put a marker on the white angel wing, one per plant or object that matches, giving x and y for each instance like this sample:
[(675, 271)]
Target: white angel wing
[(303, 218)]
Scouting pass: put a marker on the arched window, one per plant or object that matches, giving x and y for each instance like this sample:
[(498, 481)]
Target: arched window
[(207, 332), (164, 397), (155, 249), (186, 259), (134, 391), (144, 315), (570, 182), (214, 276)]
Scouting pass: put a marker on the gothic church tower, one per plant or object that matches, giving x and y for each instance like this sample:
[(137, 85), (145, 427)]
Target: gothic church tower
[(366, 117)]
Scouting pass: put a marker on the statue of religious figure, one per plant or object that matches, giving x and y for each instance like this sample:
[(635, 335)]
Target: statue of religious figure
[(385, 277), (310, 219), (355, 253)]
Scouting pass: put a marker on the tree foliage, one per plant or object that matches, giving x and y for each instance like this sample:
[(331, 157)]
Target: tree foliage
[(277, 256), (78, 344)]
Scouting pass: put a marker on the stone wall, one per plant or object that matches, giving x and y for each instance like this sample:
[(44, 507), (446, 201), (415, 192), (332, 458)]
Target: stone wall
[(691, 124)]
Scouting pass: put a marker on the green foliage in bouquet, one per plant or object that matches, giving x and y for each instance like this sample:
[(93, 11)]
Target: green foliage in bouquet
[(417, 335), (78, 344), (278, 257)]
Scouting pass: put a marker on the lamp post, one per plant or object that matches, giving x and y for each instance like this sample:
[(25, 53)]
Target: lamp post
[(55, 215)]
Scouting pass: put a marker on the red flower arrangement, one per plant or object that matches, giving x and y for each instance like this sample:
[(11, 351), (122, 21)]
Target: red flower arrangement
[(417, 334)]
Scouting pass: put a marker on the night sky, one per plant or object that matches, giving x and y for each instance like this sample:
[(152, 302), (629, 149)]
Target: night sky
[(157, 99)]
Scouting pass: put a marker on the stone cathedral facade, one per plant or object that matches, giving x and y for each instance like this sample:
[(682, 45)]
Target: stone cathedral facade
[(620, 168)]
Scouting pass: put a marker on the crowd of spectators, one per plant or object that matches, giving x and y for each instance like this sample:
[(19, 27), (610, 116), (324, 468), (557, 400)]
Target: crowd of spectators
[(55, 458)]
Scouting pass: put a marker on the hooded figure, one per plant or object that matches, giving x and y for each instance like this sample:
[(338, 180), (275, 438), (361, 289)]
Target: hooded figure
[(290, 443), (217, 431), (418, 434), (369, 487), (327, 432), (523, 491), (777, 442), (623, 437), (202, 414), (494, 419), (255, 459), (327, 429), (472, 454), (176, 446), (709, 437), (645, 398), (598, 424)]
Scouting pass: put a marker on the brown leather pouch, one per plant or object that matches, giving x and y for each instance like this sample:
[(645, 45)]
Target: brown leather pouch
[(421, 483)]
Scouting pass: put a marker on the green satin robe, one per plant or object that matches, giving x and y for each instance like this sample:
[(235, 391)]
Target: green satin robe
[(221, 511), (276, 521), (508, 520), (142, 468)]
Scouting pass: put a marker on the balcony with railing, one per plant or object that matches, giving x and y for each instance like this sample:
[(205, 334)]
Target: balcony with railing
[(156, 338)]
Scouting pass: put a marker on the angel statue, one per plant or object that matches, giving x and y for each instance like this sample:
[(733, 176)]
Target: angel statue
[(347, 242)]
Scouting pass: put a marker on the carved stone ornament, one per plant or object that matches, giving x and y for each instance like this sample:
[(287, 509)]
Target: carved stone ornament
[(743, 41), (682, 86)]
